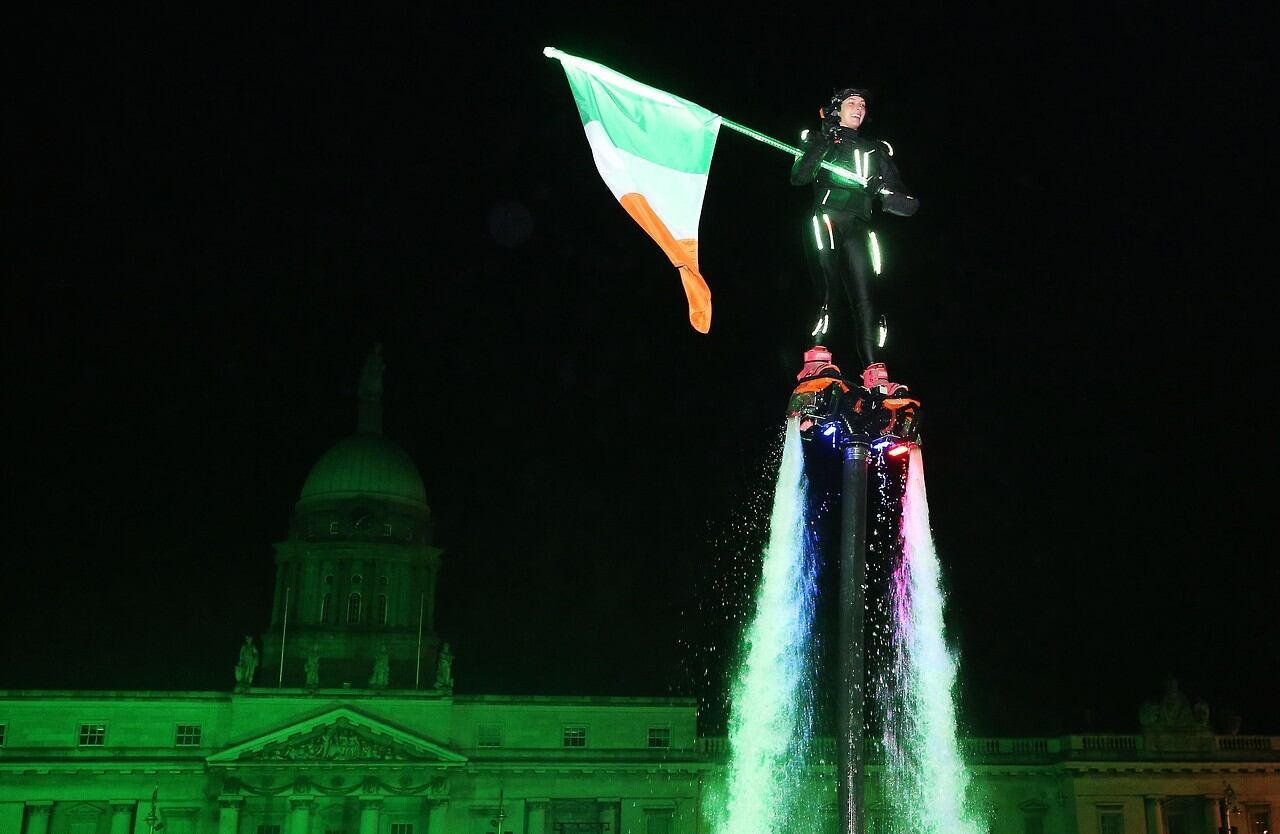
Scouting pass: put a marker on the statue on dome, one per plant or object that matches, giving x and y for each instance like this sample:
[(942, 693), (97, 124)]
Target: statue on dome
[(370, 389), (444, 667), (381, 676), (369, 392), (247, 667)]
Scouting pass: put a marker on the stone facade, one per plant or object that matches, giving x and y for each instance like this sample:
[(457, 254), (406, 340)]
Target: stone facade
[(377, 762), (353, 727), (346, 761)]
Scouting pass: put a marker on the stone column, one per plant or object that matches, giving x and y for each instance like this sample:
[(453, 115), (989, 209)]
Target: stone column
[(38, 814), (229, 814), (300, 814), (370, 808), (437, 818), (683, 820), (537, 815), (1154, 806), (11, 814), (1212, 819), (608, 815), (122, 815)]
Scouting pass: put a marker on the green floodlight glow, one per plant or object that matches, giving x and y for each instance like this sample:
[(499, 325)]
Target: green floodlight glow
[(924, 770), (875, 251), (769, 730)]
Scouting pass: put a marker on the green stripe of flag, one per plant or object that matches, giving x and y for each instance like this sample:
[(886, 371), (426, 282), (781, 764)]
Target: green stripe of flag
[(641, 120)]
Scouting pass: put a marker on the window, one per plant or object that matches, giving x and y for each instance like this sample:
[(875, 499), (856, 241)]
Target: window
[(356, 579), (658, 821), (1176, 824), (326, 602), (333, 531), (386, 531), (489, 735), (92, 735), (1033, 813), (1110, 819), (575, 736), (579, 828), (659, 736), (382, 609), (401, 828), (269, 828), (187, 735), (4, 732), (1259, 818), (353, 608)]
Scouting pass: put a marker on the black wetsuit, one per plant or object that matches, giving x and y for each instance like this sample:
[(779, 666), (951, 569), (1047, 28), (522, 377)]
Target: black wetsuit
[(846, 253)]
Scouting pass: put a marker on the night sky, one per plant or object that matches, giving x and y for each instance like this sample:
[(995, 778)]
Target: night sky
[(214, 216)]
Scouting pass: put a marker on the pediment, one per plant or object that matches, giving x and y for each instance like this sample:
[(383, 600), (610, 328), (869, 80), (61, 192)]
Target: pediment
[(340, 735)]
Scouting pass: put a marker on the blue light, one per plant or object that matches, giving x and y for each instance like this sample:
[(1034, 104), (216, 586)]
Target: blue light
[(830, 429)]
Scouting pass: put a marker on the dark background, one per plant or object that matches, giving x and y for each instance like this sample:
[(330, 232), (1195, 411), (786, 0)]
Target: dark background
[(215, 215)]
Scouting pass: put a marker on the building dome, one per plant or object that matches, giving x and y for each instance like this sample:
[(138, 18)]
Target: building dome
[(365, 464)]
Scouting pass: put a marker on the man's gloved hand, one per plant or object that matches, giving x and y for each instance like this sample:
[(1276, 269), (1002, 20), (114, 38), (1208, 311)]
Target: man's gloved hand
[(874, 183), (816, 136)]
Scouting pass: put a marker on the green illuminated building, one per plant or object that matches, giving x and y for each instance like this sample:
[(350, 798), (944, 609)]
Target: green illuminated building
[(348, 723)]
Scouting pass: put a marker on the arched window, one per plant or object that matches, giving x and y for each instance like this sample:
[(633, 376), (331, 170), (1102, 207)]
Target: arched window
[(382, 609), (326, 603), (353, 608)]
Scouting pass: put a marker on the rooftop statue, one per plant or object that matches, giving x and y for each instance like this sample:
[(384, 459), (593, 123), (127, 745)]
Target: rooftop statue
[(381, 676), (1174, 711), (312, 667), (247, 666), (444, 668)]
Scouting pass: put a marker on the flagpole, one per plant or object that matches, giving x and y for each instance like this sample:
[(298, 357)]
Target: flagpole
[(284, 629), (783, 146), (422, 609), (552, 52)]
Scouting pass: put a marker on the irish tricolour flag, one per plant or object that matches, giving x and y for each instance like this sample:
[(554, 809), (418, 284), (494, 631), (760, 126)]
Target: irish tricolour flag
[(653, 150)]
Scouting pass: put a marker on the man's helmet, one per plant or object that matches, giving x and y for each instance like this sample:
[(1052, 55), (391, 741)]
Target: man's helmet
[(838, 97), (832, 110)]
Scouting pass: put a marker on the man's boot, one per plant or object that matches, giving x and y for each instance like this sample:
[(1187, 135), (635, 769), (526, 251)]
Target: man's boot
[(876, 378), (817, 362)]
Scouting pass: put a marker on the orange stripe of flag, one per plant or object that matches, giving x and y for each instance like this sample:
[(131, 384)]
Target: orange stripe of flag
[(683, 255)]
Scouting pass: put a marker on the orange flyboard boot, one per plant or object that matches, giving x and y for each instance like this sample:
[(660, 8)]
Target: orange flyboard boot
[(875, 375), (817, 374), (817, 363), (876, 378)]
